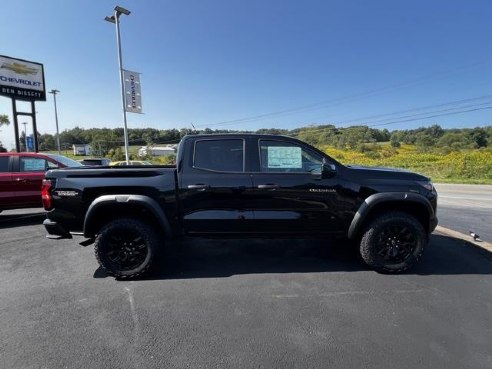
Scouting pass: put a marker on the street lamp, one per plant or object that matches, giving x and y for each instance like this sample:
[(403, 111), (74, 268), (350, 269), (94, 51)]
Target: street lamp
[(54, 92), (118, 10), (25, 135)]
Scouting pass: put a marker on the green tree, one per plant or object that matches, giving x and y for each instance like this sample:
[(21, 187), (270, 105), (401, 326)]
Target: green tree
[(46, 142), (353, 137), (116, 154), (150, 136), (267, 131), (310, 135), (454, 141), (394, 141), (435, 131), (424, 142), (4, 120), (479, 137)]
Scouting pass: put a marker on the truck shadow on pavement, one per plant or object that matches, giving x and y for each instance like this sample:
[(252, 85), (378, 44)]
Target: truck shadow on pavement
[(202, 258), (20, 220)]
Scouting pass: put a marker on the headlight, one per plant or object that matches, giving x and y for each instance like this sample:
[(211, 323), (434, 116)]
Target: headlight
[(427, 185)]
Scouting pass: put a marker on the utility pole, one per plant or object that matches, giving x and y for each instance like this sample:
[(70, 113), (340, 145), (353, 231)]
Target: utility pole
[(54, 92), (25, 134)]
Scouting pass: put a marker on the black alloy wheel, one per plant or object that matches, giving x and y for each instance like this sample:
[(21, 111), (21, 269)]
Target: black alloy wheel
[(126, 251), (126, 248), (393, 242)]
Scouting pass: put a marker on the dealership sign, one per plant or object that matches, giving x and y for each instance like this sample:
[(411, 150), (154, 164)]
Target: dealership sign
[(21, 79), (133, 96)]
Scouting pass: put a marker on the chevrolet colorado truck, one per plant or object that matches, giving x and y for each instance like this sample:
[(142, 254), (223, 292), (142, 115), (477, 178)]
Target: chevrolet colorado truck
[(241, 186)]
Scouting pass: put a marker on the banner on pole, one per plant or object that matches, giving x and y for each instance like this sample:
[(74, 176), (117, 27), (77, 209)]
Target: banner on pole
[(133, 92)]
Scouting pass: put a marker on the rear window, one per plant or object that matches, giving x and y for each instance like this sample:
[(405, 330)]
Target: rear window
[(4, 164), (220, 155)]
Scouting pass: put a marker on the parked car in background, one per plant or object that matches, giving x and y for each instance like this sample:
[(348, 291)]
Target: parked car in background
[(95, 162), (131, 162), (21, 176)]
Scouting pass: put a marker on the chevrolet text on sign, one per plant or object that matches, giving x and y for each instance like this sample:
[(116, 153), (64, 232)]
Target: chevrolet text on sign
[(21, 79), (133, 96)]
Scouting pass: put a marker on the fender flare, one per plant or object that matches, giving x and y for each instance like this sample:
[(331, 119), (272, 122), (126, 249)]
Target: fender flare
[(146, 201), (385, 197)]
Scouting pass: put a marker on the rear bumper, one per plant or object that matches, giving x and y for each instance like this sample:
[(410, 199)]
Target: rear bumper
[(55, 230)]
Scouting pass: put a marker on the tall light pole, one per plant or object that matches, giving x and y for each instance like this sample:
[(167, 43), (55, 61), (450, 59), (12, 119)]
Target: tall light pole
[(118, 10), (54, 92), (25, 134)]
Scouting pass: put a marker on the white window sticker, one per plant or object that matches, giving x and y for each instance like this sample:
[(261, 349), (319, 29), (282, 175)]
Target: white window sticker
[(32, 165), (284, 157)]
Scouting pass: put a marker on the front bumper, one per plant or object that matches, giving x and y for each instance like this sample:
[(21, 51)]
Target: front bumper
[(55, 230)]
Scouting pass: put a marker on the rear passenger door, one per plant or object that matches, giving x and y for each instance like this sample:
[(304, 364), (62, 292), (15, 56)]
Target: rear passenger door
[(214, 187), (6, 185)]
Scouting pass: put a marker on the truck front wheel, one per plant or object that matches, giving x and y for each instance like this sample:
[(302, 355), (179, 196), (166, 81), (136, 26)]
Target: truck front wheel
[(393, 242), (126, 248)]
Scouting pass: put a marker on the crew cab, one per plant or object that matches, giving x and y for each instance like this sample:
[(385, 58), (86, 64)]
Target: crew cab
[(21, 175), (241, 185)]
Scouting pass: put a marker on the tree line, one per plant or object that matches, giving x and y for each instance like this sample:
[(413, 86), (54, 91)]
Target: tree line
[(358, 138), (363, 138)]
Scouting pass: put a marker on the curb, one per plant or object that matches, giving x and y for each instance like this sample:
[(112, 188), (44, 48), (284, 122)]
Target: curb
[(464, 237)]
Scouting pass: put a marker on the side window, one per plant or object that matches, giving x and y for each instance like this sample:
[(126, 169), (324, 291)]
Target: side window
[(52, 165), (286, 157), (219, 155), (28, 164), (4, 164)]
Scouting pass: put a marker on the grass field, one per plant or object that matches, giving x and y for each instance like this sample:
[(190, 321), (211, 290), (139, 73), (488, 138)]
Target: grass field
[(470, 166)]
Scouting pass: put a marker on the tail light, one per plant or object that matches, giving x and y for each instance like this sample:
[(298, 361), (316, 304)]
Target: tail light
[(46, 194)]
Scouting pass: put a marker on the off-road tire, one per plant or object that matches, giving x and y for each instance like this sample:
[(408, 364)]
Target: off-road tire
[(126, 238), (377, 246)]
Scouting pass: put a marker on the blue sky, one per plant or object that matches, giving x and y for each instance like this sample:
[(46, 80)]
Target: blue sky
[(209, 62)]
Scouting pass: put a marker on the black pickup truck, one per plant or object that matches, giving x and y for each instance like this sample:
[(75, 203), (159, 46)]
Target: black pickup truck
[(241, 185)]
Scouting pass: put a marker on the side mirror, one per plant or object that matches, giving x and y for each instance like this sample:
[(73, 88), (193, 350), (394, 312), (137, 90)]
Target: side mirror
[(328, 170)]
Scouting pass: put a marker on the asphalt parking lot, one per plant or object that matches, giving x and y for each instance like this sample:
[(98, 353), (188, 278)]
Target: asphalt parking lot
[(251, 304)]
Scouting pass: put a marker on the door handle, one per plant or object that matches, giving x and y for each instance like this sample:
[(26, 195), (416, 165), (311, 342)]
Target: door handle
[(21, 180), (198, 186), (268, 186)]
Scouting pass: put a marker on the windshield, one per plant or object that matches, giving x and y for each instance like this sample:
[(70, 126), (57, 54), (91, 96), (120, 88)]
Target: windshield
[(64, 160)]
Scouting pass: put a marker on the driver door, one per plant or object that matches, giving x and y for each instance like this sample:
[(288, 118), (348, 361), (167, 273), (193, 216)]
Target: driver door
[(290, 193)]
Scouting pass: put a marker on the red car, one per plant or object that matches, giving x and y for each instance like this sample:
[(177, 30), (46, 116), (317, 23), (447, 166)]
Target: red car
[(21, 175)]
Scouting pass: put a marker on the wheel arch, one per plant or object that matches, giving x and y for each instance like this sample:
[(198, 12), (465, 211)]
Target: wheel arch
[(411, 203), (108, 207)]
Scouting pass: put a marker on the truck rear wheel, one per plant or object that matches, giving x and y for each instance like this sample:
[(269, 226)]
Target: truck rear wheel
[(393, 242), (126, 248)]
